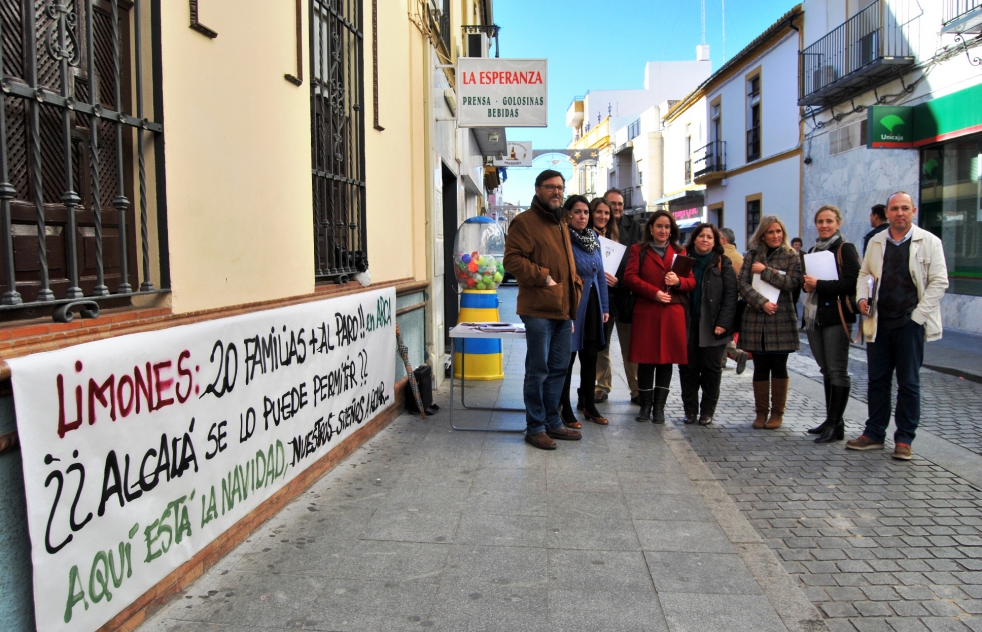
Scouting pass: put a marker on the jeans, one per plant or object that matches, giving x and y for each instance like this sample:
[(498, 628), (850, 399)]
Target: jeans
[(900, 349), (703, 370), (830, 346), (549, 343), (605, 376)]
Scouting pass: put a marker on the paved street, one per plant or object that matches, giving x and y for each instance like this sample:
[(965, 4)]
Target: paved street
[(637, 527)]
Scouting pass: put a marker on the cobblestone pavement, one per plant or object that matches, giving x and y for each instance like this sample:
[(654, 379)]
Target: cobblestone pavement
[(877, 544), (951, 406)]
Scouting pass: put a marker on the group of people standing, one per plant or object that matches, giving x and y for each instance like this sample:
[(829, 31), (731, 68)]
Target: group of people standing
[(675, 304)]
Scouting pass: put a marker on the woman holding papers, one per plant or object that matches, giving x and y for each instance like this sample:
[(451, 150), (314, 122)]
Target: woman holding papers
[(711, 310), (659, 315), (831, 270), (771, 273), (592, 313)]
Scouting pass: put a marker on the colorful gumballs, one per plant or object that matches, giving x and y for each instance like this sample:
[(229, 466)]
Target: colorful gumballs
[(475, 255), (480, 286), (471, 282), (472, 266), (465, 258), (498, 277)]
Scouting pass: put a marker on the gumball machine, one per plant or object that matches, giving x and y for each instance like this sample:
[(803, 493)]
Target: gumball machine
[(479, 249)]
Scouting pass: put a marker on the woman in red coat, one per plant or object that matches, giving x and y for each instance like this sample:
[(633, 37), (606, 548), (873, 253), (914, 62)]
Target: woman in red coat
[(659, 323)]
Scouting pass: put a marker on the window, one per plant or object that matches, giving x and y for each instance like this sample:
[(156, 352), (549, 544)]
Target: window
[(951, 208), (688, 153), (753, 216), (753, 118), (338, 139), (89, 143), (640, 173), (851, 136), (716, 128)]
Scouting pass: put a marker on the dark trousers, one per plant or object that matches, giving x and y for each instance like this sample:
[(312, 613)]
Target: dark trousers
[(546, 361), (830, 346), (705, 370), (588, 374), (900, 350)]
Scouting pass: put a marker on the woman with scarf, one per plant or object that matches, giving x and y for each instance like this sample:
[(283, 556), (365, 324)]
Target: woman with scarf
[(592, 313), (770, 329), (712, 306), (658, 320), (829, 313)]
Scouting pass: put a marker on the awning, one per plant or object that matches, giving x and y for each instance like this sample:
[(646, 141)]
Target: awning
[(491, 140)]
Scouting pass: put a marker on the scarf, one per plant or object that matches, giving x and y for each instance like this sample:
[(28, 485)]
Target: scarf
[(586, 237), (702, 263), (810, 305)]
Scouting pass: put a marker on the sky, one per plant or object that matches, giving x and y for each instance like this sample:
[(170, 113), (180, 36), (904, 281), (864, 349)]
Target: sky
[(595, 45)]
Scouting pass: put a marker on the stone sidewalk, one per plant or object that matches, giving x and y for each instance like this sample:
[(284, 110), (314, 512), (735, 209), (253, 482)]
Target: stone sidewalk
[(430, 528)]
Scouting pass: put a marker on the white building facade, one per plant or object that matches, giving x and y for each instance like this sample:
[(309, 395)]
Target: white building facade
[(922, 58), (750, 163)]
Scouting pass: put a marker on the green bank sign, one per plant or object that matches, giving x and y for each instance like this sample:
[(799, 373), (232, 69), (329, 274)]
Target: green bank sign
[(890, 127)]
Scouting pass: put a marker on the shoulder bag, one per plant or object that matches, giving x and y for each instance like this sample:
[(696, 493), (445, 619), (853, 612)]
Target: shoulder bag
[(849, 301)]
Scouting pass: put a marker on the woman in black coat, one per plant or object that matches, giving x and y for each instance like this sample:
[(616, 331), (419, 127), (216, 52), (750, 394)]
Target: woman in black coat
[(828, 315), (712, 306)]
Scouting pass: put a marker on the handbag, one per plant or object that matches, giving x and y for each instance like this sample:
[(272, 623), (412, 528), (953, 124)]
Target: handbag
[(423, 376), (741, 305), (627, 308), (850, 303)]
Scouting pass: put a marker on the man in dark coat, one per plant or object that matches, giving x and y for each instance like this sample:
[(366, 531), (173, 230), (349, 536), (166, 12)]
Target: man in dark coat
[(629, 233), (878, 220), (538, 253)]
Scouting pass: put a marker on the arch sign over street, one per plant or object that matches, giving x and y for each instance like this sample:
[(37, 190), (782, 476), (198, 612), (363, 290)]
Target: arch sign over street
[(502, 92)]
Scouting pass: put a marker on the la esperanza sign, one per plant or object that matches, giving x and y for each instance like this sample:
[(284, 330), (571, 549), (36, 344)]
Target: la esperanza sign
[(502, 92), (140, 450)]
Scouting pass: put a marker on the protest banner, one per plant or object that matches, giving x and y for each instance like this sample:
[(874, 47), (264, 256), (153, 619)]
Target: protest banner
[(140, 450)]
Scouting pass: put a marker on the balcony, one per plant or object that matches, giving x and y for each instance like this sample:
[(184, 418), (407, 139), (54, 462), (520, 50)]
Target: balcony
[(710, 163), (962, 16), (868, 50), (753, 144)]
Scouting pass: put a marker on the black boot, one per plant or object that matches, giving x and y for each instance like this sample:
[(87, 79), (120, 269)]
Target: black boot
[(644, 398), (836, 428), (658, 410), (579, 399), (820, 428)]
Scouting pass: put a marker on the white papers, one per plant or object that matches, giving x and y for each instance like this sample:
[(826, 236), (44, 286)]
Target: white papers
[(821, 265), (765, 289), (612, 252)]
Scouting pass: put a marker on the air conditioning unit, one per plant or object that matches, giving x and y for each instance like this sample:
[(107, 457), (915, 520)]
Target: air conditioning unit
[(478, 45), (823, 76)]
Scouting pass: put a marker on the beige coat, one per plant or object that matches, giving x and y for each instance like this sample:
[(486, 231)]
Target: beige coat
[(927, 269)]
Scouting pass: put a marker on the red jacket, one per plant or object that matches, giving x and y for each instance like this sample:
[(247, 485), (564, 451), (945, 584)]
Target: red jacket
[(658, 330)]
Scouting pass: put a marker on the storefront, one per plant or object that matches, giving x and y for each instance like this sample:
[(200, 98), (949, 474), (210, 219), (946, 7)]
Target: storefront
[(948, 134)]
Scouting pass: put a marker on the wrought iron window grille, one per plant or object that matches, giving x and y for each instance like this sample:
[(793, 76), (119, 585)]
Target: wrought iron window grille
[(71, 146), (338, 138)]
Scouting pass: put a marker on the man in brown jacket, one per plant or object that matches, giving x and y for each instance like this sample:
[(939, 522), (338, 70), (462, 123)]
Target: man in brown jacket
[(539, 255)]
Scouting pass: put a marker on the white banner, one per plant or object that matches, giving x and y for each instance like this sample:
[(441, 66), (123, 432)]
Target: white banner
[(140, 450), (519, 154), (502, 92)]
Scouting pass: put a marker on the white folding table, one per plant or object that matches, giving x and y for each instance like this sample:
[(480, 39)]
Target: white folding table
[(463, 332)]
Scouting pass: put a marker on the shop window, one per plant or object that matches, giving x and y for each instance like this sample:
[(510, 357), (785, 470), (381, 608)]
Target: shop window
[(338, 139), (951, 208)]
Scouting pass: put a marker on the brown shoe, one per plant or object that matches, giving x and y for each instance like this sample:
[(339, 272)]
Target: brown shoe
[(564, 434), (705, 420), (597, 419), (540, 440), (903, 452), (762, 393), (863, 443), (599, 396), (779, 397)]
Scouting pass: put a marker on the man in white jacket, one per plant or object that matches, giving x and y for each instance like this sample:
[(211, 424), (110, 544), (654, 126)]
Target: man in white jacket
[(905, 268)]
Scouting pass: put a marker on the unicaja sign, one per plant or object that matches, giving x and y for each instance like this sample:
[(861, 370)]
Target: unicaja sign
[(889, 127)]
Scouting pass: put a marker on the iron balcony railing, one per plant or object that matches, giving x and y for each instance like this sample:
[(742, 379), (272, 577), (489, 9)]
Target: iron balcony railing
[(78, 135), (712, 158), (962, 16), (753, 143), (867, 50), (634, 130)]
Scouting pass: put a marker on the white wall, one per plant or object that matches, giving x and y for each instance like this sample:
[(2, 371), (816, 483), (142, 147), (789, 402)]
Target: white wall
[(778, 184), (674, 139), (779, 102)]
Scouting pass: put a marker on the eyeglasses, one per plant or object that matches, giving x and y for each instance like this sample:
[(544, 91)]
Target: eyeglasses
[(558, 188)]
